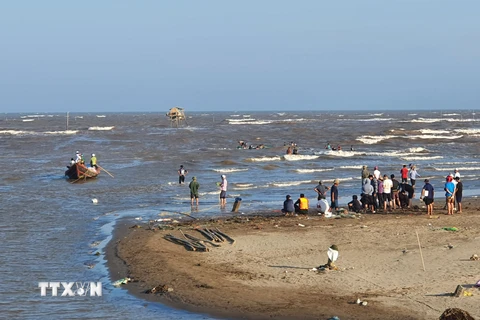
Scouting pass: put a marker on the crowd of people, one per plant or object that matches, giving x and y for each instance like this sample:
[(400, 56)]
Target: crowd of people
[(80, 159), (383, 193)]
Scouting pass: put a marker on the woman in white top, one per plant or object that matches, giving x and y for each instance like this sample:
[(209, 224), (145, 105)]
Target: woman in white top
[(413, 175)]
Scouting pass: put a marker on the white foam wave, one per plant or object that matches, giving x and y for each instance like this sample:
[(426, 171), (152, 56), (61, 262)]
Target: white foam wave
[(289, 183), (425, 136), (450, 114), (21, 132), (374, 139), (350, 167), (342, 153), (312, 170), (101, 128), (230, 170), (433, 120), (468, 131), (417, 149), (419, 158), (101, 116), (264, 159), (28, 120), (431, 131), (377, 119), (459, 169), (298, 157)]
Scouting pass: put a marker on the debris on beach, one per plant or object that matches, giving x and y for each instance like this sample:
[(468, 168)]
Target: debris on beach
[(459, 291), (455, 314), (135, 226), (160, 289), (301, 225), (121, 281), (450, 228), (449, 246), (195, 244), (474, 257)]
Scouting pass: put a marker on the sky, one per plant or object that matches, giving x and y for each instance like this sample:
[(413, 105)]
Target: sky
[(119, 56)]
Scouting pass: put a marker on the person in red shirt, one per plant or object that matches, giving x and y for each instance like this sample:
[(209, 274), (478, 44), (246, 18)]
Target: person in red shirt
[(404, 173)]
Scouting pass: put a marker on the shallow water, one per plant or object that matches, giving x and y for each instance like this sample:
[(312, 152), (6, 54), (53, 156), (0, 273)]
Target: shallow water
[(48, 226)]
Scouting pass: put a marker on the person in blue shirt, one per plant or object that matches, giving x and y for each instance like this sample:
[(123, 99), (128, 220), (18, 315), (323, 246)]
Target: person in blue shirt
[(449, 194), (427, 196), (288, 207)]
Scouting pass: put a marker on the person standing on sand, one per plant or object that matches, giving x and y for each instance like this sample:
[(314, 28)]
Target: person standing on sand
[(194, 186), (321, 190), (334, 194), (395, 191), (182, 172), (449, 194), (223, 191), (427, 196), (365, 174), (413, 175), (458, 194), (387, 193), (404, 173)]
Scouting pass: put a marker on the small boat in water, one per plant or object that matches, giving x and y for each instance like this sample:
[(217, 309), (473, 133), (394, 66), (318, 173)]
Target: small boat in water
[(80, 171)]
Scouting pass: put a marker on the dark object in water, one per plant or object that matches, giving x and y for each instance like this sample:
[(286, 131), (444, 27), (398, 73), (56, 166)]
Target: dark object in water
[(79, 171)]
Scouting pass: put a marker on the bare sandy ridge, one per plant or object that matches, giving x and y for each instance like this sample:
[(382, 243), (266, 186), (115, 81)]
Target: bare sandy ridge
[(266, 273)]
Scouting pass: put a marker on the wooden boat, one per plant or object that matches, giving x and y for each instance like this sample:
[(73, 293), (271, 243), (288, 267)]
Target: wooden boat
[(80, 171)]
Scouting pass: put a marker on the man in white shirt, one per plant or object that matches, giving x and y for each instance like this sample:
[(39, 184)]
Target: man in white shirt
[(387, 192)]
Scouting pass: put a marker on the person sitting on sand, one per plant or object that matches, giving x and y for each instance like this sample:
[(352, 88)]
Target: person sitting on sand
[(354, 205), (301, 205), (288, 207)]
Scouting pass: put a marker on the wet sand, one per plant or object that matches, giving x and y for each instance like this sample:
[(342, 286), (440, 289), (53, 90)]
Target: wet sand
[(267, 273)]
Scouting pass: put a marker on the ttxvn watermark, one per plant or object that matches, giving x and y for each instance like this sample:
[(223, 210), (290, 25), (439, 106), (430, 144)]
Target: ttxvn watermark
[(71, 289)]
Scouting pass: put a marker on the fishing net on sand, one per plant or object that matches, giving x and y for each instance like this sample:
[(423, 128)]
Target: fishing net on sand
[(455, 314)]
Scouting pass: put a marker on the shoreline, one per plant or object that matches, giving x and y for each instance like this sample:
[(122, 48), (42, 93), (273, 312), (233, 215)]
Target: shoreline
[(265, 274)]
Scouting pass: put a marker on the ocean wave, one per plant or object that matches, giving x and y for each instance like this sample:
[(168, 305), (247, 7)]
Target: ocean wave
[(100, 128), (263, 159), (298, 157), (101, 116), (450, 114), (420, 158), (350, 167), (230, 170), (376, 139), (22, 132), (28, 120), (433, 120), (373, 139), (468, 131), (312, 170), (377, 119), (425, 136), (417, 149), (289, 183), (431, 131), (449, 169)]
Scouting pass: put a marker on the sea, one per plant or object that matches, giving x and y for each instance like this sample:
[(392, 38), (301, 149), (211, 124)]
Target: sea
[(54, 230)]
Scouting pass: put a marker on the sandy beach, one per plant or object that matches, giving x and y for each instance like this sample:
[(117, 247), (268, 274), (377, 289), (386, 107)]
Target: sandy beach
[(266, 273)]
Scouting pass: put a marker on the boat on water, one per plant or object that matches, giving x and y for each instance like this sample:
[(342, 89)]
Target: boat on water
[(79, 171)]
